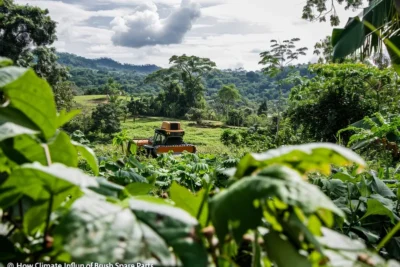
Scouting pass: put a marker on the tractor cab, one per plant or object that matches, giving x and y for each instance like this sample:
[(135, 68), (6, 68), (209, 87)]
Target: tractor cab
[(169, 134), (167, 138)]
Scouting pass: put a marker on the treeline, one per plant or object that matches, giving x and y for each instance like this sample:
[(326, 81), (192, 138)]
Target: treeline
[(91, 75)]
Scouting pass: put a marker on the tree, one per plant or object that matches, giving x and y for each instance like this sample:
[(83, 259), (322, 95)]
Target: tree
[(22, 27), (196, 114), (324, 50), (263, 109), (275, 60), (228, 95), (365, 35), (188, 71), (340, 95), (25, 31), (105, 119), (319, 9)]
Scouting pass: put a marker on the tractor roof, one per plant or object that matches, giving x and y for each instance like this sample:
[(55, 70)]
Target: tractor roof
[(172, 126)]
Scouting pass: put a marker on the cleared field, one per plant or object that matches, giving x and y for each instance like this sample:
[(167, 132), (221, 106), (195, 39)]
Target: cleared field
[(88, 102), (206, 139)]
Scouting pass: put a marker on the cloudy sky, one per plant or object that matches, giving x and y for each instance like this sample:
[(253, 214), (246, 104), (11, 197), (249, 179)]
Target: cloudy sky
[(230, 32)]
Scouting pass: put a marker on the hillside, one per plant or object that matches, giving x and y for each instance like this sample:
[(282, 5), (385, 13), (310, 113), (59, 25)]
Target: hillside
[(72, 60), (90, 75)]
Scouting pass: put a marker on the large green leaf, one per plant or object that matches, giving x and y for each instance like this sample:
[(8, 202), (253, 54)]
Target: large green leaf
[(41, 182), (234, 208), (379, 187), (32, 96), (97, 231), (4, 62), (9, 114), (188, 201), (303, 158), (88, 154), (350, 38), (9, 130), (180, 230), (375, 207), (137, 189), (64, 117), (282, 252), (63, 151)]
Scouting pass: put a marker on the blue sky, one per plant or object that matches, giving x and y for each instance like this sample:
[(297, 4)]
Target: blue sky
[(229, 32)]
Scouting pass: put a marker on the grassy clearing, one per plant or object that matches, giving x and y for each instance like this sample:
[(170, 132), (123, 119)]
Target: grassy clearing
[(206, 138), (88, 102)]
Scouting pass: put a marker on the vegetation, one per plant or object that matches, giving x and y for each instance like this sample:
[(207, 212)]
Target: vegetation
[(263, 188), (26, 33)]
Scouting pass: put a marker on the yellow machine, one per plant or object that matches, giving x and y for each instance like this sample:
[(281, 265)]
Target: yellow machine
[(168, 138)]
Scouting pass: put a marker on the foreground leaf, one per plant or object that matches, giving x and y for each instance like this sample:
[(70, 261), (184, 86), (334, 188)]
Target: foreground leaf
[(88, 154), (186, 200), (282, 252), (180, 230), (303, 158), (97, 231), (236, 203), (32, 96)]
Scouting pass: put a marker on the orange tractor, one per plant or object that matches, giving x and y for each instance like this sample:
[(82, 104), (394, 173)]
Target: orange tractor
[(168, 138)]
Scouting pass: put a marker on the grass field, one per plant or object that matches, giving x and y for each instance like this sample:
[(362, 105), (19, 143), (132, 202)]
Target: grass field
[(88, 102), (206, 139)]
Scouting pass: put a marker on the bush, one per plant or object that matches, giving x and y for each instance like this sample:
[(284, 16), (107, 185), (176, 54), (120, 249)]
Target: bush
[(105, 119)]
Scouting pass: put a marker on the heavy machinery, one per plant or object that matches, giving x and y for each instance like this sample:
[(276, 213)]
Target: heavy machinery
[(168, 138)]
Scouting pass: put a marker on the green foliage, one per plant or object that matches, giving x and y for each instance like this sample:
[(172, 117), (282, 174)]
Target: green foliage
[(105, 119), (339, 95), (367, 34), (196, 114), (324, 50), (184, 80), (318, 10), (24, 27), (54, 212)]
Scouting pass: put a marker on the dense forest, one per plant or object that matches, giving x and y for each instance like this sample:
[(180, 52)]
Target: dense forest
[(91, 75), (290, 165)]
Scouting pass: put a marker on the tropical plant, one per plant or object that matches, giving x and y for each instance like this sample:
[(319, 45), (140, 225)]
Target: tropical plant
[(120, 139), (339, 95), (376, 138), (53, 212), (280, 55), (228, 95), (370, 32)]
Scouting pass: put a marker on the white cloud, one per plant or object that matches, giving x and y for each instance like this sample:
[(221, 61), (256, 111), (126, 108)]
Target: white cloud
[(145, 28), (229, 32)]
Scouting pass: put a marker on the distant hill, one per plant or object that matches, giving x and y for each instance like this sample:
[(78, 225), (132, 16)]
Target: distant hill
[(75, 61), (91, 76)]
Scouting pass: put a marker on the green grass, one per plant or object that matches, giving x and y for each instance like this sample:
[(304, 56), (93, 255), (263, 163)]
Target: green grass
[(88, 102), (205, 138)]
